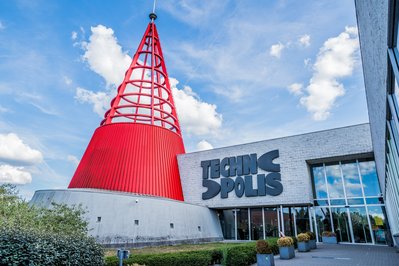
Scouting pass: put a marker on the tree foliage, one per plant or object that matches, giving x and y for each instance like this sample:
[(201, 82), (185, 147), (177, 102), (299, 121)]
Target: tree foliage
[(32, 235)]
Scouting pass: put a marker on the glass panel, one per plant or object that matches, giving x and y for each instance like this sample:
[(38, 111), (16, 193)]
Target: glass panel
[(271, 222), (242, 224), (338, 202), (302, 219), (319, 182), (375, 200), (353, 187), (396, 95), (256, 224), (320, 202), (378, 224), (227, 223), (334, 181), (356, 201), (361, 230), (341, 224), (322, 220), (369, 178), (288, 221)]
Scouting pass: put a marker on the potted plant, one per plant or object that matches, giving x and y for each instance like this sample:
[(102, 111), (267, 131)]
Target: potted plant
[(312, 240), (264, 255), (303, 242), (286, 247), (329, 237)]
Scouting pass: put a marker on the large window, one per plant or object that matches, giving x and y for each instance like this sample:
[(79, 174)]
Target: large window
[(348, 201)]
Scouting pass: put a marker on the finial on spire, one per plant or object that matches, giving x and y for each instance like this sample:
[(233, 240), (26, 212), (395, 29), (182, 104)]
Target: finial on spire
[(153, 16)]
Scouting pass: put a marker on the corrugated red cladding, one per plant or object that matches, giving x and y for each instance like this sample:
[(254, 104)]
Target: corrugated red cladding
[(131, 157)]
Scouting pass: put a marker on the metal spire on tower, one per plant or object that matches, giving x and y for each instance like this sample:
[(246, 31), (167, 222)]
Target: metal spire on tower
[(134, 149)]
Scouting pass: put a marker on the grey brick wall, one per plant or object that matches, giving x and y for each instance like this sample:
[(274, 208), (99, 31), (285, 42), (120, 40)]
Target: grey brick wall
[(372, 20), (295, 152)]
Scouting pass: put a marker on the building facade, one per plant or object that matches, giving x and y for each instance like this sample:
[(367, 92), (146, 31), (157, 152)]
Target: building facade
[(321, 181), (378, 34)]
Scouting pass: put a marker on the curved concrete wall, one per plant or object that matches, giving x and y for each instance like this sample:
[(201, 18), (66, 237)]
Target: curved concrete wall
[(118, 212)]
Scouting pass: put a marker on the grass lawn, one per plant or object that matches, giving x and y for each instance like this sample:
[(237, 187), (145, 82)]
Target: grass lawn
[(168, 249)]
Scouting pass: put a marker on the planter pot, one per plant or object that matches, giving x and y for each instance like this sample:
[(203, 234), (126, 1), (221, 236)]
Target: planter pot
[(303, 246), (329, 239), (312, 244), (287, 253), (265, 259)]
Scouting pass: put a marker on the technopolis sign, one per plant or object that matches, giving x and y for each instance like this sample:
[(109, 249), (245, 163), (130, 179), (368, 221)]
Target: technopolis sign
[(243, 168)]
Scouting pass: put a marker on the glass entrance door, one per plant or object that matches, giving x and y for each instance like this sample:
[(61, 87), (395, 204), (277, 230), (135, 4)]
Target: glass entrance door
[(256, 224), (341, 224), (360, 225)]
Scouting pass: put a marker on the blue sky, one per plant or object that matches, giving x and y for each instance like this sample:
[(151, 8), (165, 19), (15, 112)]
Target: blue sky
[(241, 71)]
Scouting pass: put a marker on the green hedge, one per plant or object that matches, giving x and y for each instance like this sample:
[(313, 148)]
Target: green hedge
[(21, 247), (230, 255), (194, 258)]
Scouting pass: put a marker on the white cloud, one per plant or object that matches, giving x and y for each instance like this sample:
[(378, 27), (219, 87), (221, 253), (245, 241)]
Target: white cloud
[(276, 49), (3, 109), (336, 59), (100, 100), (295, 88), (304, 40), (307, 61), (104, 55), (14, 175), (13, 149), (73, 160), (204, 145), (74, 35), (67, 80), (2, 27), (195, 116)]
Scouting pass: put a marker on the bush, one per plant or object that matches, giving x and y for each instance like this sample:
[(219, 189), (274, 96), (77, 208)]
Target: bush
[(195, 258), (311, 235), (328, 233), (262, 247), (240, 255), (22, 247), (303, 237), (285, 241)]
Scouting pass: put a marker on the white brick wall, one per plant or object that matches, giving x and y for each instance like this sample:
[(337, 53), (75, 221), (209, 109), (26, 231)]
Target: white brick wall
[(295, 151)]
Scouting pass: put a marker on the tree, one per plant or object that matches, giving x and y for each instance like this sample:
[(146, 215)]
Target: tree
[(31, 235)]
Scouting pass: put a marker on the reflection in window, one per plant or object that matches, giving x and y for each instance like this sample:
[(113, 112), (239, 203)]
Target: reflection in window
[(271, 222), (319, 182), (242, 224), (227, 223), (256, 224), (361, 229), (353, 186), (302, 219), (378, 224), (341, 224), (288, 221), (369, 178), (334, 181), (322, 220)]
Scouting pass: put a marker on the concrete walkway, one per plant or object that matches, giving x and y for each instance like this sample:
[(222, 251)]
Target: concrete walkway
[(342, 255)]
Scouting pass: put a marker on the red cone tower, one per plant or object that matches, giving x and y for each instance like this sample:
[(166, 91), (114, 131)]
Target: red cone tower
[(134, 149)]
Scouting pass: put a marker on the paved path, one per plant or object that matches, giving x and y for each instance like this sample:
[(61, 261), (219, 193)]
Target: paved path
[(343, 255)]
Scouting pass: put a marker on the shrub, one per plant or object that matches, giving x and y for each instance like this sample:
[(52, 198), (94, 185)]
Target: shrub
[(328, 233), (285, 242), (303, 237), (22, 247), (239, 255), (195, 258), (262, 247), (311, 235)]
